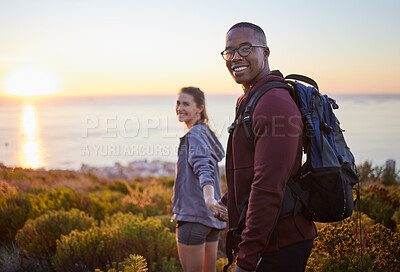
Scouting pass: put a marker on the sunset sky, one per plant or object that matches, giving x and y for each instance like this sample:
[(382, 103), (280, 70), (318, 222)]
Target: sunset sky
[(156, 47)]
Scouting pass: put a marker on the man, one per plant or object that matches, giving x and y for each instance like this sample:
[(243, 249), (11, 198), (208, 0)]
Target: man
[(268, 242)]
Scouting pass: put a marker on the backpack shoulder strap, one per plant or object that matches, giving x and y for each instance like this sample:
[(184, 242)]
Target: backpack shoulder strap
[(303, 79), (247, 117)]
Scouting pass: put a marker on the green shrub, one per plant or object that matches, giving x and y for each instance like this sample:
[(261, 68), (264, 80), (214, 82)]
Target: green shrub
[(169, 182), (389, 176), (88, 249), (368, 173), (167, 265), (384, 248), (134, 263), (15, 209), (37, 239), (61, 199), (380, 204), (105, 202), (373, 174), (167, 222), (151, 200), (335, 249), (15, 174), (7, 188), (148, 238), (116, 238), (221, 262), (119, 186)]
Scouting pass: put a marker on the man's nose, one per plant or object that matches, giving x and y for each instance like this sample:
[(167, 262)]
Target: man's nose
[(236, 55)]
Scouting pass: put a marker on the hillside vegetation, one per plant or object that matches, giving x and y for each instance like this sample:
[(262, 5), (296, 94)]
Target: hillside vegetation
[(69, 221)]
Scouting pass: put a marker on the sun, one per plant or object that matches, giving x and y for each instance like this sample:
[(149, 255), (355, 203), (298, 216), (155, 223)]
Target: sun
[(31, 80)]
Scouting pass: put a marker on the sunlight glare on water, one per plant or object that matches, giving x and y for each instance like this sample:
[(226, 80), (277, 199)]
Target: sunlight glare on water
[(30, 155)]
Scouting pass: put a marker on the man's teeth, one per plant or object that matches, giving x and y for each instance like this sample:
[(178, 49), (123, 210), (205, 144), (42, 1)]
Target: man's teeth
[(238, 69)]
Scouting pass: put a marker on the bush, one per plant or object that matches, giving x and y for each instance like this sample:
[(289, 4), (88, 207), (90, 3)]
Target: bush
[(148, 238), (37, 239), (61, 199), (368, 173), (119, 186), (116, 238), (80, 251), (6, 188), (167, 222), (384, 248), (380, 204), (337, 249), (169, 182), (389, 176), (221, 262), (377, 174), (134, 263), (15, 209), (151, 200), (167, 265), (105, 202), (14, 174)]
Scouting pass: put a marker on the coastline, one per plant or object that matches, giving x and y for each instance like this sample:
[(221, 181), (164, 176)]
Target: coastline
[(141, 169), (133, 169)]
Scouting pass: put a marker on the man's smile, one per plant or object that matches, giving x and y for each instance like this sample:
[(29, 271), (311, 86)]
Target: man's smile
[(238, 69)]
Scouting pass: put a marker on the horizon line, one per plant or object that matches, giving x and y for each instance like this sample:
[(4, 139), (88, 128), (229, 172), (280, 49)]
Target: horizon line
[(52, 96)]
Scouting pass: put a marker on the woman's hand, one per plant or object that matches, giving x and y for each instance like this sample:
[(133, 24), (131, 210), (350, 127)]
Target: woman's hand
[(222, 214), (220, 211)]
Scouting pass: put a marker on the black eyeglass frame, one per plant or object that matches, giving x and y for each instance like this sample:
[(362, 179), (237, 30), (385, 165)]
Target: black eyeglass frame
[(237, 49)]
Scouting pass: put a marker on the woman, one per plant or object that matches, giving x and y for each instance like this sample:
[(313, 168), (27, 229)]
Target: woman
[(197, 186)]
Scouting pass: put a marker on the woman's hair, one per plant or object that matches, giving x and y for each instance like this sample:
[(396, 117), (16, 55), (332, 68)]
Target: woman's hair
[(199, 98)]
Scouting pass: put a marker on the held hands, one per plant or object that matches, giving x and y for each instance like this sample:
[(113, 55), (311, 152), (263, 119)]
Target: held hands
[(222, 214), (217, 207)]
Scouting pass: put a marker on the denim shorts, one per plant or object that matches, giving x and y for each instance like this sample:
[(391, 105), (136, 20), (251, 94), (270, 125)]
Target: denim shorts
[(193, 233)]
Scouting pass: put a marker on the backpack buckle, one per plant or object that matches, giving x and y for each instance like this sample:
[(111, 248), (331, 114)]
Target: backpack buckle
[(232, 126), (246, 119)]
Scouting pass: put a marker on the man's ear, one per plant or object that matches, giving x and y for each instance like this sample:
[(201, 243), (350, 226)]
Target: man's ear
[(266, 51)]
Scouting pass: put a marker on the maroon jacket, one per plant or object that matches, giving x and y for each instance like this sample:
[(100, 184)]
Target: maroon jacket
[(263, 172)]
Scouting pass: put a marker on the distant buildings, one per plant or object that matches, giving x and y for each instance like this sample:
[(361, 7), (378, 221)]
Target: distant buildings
[(133, 169)]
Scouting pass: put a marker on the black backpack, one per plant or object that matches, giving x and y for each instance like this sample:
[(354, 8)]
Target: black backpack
[(326, 180)]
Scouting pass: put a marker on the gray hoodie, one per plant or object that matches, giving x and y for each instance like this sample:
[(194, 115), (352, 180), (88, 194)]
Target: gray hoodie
[(198, 156)]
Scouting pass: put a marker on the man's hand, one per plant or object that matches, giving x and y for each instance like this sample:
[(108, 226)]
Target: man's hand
[(217, 207)]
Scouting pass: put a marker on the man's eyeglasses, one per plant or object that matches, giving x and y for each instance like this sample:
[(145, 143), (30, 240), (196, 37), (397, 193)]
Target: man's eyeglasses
[(243, 50)]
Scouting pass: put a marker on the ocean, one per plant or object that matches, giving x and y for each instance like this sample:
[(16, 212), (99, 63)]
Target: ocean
[(66, 132)]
